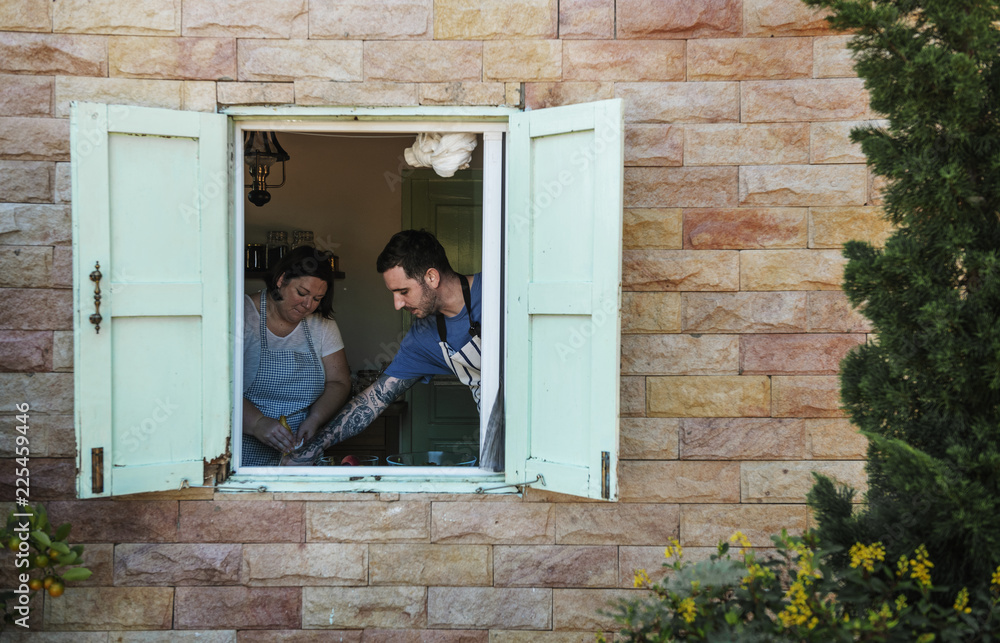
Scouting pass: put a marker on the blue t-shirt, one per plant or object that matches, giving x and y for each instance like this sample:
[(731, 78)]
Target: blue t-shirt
[(420, 355)]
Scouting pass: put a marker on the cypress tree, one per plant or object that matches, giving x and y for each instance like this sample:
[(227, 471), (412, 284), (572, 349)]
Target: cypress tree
[(926, 390)]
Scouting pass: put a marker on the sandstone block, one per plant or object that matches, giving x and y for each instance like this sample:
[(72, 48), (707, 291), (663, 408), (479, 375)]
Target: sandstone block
[(651, 312), (749, 58), (832, 58), (687, 102), (654, 145), (240, 521), (801, 185), (555, 566), (744, 228), (709, 396), (309, 92), (737, 144), (742, 439), (367, 521), (511, 636), (648, 438), (620, 61), (581, 523), (830, 142), (815, 396), (101, 521), (100, 560), (304, 636), (522, 61), (830, 312), (52, 436), (305, 564), (246, 608), (680, 270), (833, 227), (33, 139), (26, 267), (791, 269), (37, 309), (586, 609), (495, 19), (837, 99), (51, 478), (632, 396), (539, 95), (288, 60), (744, 312), (677, 19), (463, 93), (680, 482), (492, 523), (199, 96), (45, 392), (28, 15), (651, 559), (176, 636), (681, 187), (26, 182), (652, 228), (587, 19), (36, 225), (174, 564), (25, 96), (706, 525), (166, 58), (834, 439), (62, 267), (63, 186), (678, 354), (876, 187), (52, 54), (246, 19), (256, 93), (788, 482), (430, 61), (359, 19), (424, 636), (416, 565), (154, 18), (111, 608), (783, 18), (793, 354), (489, 607), (363, 607), (118, 91)]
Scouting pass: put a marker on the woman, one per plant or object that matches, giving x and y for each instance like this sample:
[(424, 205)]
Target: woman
[(293, 357)]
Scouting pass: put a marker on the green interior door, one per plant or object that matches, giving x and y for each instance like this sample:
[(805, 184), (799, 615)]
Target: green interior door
[(443, 415)]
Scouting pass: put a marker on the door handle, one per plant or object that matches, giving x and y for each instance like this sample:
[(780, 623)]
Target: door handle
[(95, 276)]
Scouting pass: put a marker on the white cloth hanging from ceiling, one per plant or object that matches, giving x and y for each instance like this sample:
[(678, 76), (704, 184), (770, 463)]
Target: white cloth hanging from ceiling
[(446, 153)]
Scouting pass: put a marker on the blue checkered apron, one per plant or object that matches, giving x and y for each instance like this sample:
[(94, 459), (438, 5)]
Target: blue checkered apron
[(287, 383)]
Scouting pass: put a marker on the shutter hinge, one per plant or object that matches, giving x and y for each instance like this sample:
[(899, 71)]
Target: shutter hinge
[(605, 475), (97, 470)]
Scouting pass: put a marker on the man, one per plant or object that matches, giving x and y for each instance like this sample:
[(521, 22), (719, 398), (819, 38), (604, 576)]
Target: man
[(443, 338)]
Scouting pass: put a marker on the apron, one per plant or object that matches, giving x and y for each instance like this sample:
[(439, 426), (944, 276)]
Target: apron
[(465, 363), (287, 383)]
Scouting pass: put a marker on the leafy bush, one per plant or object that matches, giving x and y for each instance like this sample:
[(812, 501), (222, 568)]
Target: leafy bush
[(43, 559), (793, 595)]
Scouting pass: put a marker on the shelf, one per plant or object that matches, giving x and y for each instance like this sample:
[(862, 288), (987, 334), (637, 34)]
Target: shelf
[(260, 274)]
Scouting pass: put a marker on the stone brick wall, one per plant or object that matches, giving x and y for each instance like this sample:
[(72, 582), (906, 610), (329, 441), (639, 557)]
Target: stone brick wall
[(740, 187)]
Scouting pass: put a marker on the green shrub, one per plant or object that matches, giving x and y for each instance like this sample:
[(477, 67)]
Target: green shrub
[(793, 595)]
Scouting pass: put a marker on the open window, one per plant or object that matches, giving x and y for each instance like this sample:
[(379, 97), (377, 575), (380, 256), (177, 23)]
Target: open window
[(157, 198)]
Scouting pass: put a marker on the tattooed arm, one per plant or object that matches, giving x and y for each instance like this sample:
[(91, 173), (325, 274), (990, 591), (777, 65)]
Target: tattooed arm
[(354, 418)]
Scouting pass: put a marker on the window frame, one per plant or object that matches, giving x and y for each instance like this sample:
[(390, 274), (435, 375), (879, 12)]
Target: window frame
[(492, 124)]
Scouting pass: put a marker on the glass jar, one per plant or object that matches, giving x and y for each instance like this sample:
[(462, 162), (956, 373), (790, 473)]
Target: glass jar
[(302, 238), (277, 246), (256, 257)]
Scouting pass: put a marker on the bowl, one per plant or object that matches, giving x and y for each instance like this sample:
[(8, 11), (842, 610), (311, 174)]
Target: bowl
[(432, 459)]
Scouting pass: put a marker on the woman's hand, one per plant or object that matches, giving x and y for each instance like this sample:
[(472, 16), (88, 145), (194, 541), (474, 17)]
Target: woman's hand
[(272, 433)]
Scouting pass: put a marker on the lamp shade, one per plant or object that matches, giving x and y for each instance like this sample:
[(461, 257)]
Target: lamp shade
[(262, 148)]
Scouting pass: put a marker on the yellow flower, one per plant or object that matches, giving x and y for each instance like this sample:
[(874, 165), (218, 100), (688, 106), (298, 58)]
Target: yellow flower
[(674, 549), (864, 556), (900, 603), (920, 567), (641, 578), (995, 582), (687, 610), (741, 540), (797, 612), (962, 601)]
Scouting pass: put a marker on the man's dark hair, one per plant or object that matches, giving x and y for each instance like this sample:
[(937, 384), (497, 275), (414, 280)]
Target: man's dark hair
[(416, 252), (304, 261)]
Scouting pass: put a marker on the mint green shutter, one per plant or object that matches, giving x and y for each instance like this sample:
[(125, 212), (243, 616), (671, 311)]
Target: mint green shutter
[(563, 283), (150, 203)]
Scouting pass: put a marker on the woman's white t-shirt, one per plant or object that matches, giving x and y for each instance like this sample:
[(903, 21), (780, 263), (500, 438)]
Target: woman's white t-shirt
[(325, 336)]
